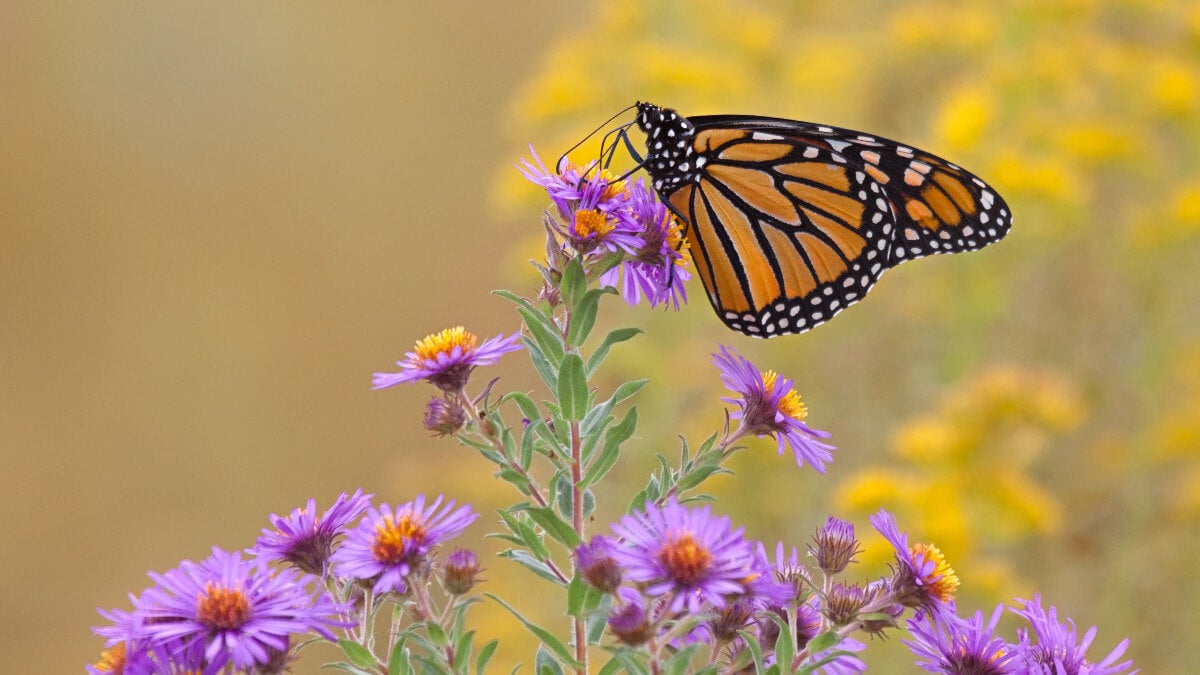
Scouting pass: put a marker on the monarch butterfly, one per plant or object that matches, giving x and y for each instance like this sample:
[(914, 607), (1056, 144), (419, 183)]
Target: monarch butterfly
[(791, 222)]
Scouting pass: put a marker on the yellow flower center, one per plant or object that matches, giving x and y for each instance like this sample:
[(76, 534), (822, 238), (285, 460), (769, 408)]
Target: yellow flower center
[(391, 537), (943, 589), (112, 660), (445, 342), (222, 608), (790, 404), (685, 559), (590, 222), (614, 188)]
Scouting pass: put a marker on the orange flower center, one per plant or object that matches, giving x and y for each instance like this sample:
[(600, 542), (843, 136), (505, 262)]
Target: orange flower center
[(685, 559), (790, 404), (445, 342), (112, 660), (222, 608), (590, 222), (394, 538), (947, 581)]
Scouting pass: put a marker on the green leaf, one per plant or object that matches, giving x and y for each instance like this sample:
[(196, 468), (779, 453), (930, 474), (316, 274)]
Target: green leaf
[(518, 300), (529, 409), (398, 662), (596, 620), (557, 528), (574, 283), (549, 640), (611, 668), (545, 333), (358, 654), (532, 564), (612, 449), (681, 661), (698, 475), (485, 655), (572, 388), (437, 634), (822, 642), (544, 663), (576, 594), (462, 651), (785, 647), (583, 319), (526, 458), (598, 356), (628, 389), (547, 370)]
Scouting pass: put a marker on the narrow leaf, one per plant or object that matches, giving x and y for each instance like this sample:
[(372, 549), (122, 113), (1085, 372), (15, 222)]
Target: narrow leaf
[(557, 528), (358, 654), (572, 388), (598, 356), (485, 655)]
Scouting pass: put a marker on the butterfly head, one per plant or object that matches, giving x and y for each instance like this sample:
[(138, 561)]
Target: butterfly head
[(669, 152)]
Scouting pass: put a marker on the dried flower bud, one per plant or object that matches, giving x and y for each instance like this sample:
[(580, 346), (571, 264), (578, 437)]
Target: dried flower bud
[(444, 416), (460, 571)]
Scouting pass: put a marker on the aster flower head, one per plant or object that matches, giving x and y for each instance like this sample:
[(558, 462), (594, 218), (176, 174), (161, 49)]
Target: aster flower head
[(952, 645), (1056, 648), (834, 546), (693, 558), (922, 577), (446, 359), (592, 205), (230, 611), (765, 587), (768, 405), (658, 269), (390, 545), (305, 539)]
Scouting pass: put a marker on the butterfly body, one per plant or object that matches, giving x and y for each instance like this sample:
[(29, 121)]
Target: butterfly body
[(791, 222)]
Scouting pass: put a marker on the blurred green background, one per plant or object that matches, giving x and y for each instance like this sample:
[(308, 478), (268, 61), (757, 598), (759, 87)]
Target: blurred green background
[(219, 220)]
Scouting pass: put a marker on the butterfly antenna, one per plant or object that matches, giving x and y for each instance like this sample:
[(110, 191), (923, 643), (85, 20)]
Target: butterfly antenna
[(583, 140)]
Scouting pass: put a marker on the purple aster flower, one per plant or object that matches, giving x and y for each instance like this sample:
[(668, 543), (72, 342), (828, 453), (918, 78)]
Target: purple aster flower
[(1057, 649), (692, 557), (389, 544), (657, 270), (922, 577), (769, 406), (446, 359), (592, 205), (571, 186), (305, 539), (230, 611), (953, 645)]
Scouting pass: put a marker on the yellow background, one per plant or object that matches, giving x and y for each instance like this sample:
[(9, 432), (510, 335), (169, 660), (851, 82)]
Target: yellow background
[(217, 221)]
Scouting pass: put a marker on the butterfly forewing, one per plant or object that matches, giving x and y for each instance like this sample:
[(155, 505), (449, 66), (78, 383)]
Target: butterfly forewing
[(785, 245)]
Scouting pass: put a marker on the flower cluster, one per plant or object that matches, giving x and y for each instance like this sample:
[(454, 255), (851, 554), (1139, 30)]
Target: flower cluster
[(598, 214), (230, 612), (680, 576)]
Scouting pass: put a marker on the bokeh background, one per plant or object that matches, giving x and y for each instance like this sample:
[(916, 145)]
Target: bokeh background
[(216, 221)]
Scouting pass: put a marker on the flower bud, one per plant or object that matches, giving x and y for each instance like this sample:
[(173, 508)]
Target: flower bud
[(460, 571), (444, 416)]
